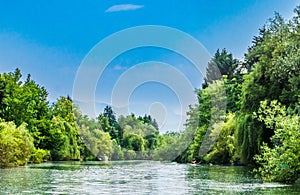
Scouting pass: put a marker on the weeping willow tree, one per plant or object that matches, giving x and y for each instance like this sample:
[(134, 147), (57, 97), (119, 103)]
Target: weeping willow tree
[(248, 137), (63, 137)]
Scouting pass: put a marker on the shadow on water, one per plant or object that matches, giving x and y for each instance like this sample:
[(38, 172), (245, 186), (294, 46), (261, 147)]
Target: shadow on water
[(233, 174), (234, 180)]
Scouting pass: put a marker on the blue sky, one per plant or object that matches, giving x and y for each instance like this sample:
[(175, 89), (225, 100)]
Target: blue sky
[(49, 39)]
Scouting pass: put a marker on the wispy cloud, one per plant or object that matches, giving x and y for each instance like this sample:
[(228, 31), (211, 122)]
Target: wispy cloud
[(123, 7)]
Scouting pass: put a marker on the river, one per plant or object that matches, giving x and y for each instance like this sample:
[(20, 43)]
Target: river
[(135, 177)]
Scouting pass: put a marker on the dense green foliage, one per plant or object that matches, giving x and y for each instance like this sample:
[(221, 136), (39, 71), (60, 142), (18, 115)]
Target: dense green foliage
[(33, 130), (225, 147), (254, 133), (281, 161), (16, 144)]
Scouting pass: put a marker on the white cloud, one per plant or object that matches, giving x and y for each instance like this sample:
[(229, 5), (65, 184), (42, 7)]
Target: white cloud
[(123, 7)]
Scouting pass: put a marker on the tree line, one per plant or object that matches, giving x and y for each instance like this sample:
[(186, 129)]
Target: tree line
[(33, 130)]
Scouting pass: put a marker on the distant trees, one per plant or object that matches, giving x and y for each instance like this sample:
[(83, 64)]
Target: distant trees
[(139, 135), (109, 123), (169, 147), (96, 142)]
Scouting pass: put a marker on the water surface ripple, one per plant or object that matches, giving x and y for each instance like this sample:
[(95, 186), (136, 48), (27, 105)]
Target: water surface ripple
[(135, 177)]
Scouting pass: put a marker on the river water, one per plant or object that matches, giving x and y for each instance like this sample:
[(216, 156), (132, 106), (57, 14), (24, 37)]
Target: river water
[(135, 177)]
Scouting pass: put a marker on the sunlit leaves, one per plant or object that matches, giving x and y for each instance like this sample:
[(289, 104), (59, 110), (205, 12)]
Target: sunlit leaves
[(16, 145), (281, 162)]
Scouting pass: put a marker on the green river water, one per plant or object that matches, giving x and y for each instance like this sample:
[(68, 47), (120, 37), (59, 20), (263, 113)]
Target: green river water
[(135, 177)]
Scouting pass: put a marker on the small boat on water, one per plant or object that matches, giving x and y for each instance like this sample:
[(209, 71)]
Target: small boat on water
[(194, 162)]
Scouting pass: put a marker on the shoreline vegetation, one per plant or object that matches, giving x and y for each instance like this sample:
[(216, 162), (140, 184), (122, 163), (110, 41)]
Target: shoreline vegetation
[(261, 126)]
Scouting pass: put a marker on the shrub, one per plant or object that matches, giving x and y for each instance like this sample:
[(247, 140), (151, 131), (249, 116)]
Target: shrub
[(16, 145), (280, 163)]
